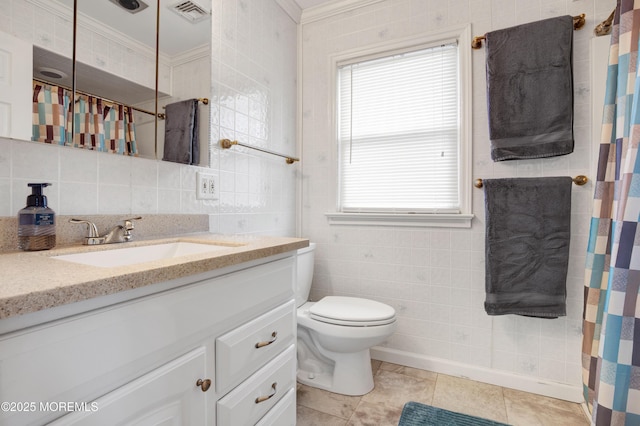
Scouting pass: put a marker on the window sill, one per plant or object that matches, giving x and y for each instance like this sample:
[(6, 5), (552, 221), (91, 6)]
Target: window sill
[(389, 219)]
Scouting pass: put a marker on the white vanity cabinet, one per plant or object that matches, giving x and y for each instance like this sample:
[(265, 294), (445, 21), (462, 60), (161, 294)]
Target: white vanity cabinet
[(216, 351), (162, 396)]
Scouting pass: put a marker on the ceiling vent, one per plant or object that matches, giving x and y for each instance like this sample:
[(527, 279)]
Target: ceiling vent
[(131, 6), (190, 11)]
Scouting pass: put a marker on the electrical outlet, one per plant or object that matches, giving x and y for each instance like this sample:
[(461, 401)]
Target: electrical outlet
[(206, 186), (213, 187)]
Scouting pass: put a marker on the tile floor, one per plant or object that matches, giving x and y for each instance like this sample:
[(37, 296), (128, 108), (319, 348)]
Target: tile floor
[(395, 385)]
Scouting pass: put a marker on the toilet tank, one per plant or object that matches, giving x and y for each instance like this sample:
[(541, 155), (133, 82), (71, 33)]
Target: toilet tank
[(304, 278)]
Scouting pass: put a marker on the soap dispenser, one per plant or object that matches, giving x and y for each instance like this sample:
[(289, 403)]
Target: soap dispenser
[(36, 222)]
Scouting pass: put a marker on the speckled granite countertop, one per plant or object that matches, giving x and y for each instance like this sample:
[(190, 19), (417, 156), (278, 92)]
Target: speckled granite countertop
[(33, 281)]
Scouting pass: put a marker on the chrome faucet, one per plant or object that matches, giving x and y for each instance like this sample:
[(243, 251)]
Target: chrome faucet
[(119, 234)]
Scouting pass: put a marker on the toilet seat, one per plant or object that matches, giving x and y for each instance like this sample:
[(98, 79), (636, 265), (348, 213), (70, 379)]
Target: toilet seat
[(352, 311)]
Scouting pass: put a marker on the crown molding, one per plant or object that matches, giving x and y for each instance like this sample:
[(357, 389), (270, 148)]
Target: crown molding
[(332, 8), (292, 9), (55, 8), (194, 54)]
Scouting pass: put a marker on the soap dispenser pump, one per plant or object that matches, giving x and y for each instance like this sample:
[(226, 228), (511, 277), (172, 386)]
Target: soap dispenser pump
[(36, 222)]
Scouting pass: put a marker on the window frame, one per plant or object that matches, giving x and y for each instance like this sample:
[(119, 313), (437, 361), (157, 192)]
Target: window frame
[(457, 220)]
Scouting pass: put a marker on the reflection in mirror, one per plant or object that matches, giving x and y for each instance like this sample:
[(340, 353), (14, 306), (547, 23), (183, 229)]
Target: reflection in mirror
[(185, 53), (95, 88), (26, 24), (119, 46), (116, 63), (183, 69)]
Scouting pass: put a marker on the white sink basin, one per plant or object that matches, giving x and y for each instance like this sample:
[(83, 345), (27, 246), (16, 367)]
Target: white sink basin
[(134, 255)]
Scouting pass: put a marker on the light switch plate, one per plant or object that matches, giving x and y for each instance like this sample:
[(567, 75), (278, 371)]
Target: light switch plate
[(206, 186)]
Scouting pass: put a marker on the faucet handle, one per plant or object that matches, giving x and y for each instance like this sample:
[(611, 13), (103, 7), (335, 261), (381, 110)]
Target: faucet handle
[(93, 230), (128, 226), (128, 223)]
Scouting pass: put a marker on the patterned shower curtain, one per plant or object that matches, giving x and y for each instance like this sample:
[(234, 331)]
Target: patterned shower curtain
[(89, 123), (50, 114), (611, 325), (119, 130), (98, 124)]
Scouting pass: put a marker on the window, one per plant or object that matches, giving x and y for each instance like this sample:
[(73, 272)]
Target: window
[(401, 130)]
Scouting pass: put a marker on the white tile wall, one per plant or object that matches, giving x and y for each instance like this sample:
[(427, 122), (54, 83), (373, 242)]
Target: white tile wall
[(254, 68), (253, 80), (434, 278)]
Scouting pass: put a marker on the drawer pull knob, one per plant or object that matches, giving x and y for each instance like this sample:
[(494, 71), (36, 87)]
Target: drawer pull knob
[(267, 397), (268, 342), (204, 384)]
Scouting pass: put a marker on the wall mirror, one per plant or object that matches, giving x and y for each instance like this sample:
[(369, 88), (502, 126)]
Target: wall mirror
[(117, 64)]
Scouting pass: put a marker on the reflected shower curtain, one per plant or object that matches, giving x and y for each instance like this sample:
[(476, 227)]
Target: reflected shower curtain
[(120, 130), (50, 114), (98, 124), (611, 326), (89, 125), (104, 126)]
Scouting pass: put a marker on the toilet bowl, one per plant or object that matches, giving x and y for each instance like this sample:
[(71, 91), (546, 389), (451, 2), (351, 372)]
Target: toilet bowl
[(335, 335)]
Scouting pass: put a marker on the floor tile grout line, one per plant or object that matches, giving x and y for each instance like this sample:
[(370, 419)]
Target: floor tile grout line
[(504, 403)]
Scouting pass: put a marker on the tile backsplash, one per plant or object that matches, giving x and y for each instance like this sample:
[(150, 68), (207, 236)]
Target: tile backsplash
[(90, 183)]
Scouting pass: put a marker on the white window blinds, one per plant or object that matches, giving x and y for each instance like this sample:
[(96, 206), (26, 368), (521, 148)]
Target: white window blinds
[(398, 133)]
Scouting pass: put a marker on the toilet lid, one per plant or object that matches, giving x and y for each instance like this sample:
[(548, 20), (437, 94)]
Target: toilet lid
[(352, 311)]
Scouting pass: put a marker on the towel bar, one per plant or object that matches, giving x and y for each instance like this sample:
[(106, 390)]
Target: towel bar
[(578, 22), (205, 101), (578, 180), (228, 143)]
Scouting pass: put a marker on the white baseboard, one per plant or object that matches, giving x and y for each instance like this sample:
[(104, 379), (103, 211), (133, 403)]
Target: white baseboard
[(480, 374)]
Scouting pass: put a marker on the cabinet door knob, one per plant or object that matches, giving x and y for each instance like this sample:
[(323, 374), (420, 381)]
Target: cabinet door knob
[(204, 384), (268, 342), (267, 397)]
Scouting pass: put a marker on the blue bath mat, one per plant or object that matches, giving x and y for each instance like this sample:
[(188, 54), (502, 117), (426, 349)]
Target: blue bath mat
[(415, 414)]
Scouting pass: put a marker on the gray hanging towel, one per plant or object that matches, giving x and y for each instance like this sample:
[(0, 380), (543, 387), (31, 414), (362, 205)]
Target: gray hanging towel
[(530, 89), (181, 144), (528, 223)]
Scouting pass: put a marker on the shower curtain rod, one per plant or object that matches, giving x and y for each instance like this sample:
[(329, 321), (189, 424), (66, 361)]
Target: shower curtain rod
[(160, 115), (578, 180), (228, 143), (578, 22)]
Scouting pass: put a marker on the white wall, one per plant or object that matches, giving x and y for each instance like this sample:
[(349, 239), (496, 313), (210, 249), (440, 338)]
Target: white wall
[(434, 277), (253, 100)]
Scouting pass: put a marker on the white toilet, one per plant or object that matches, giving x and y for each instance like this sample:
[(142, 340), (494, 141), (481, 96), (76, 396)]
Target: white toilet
[(335, 334)]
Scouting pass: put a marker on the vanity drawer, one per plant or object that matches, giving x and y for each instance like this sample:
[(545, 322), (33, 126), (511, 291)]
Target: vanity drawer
[(283, 413), (252, 399), (244, 350)]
